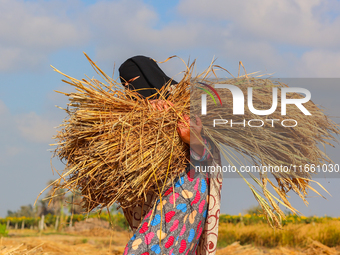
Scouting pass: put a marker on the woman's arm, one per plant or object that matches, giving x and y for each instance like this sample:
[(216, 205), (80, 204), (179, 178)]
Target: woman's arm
[(189, 130), (192, 135)]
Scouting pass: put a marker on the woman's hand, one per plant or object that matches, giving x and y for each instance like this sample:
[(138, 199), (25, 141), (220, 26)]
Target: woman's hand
[(189, 130), (160, 104), (190, 133)]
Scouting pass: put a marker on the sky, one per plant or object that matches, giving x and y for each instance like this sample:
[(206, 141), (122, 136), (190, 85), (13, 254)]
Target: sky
[(289, 38)]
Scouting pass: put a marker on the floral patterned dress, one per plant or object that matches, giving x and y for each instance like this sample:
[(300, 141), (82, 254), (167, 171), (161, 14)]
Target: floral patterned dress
[(185, 221)]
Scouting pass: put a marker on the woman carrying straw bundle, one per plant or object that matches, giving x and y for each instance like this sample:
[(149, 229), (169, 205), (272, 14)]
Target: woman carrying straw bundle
[(120, 145), (185, 220)]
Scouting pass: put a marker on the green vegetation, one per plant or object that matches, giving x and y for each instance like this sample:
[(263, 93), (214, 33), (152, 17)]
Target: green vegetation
[(297, 231), (251, 219), (118, 220), (292, 235), (3, 231)]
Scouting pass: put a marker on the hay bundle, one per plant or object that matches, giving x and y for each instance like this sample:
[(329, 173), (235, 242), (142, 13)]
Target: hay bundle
[(117, 148), (294, 149)]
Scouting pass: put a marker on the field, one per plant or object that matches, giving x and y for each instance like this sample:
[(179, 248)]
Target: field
[(237, 235)]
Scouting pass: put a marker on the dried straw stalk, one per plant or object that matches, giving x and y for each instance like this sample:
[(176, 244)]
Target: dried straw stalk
[(117, 148), (267, 145)]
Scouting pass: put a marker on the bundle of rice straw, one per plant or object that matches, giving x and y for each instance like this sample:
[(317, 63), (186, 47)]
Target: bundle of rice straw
[(117, 148), (295, 148)]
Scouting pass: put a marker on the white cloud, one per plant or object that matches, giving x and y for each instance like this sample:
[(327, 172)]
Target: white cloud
[(13, 151), (319, 63), (35, 128), (122, 29), (295, 22), (30, 126), (230, 30), (3, 108), (14, 58), (29, 31)]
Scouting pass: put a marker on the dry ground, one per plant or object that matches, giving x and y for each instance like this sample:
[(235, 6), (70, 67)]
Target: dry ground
[(103, 241)]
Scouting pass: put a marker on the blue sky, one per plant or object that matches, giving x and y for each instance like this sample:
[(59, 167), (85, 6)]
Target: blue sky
[(291, 38)]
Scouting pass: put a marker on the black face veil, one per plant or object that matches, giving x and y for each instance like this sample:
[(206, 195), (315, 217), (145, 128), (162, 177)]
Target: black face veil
[(150, 75)]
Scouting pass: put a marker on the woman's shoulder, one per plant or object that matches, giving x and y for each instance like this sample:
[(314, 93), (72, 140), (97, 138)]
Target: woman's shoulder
[(210, 153)]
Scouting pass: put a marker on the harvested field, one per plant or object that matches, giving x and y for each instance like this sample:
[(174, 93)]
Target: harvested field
[(99, 241), (104, 241)]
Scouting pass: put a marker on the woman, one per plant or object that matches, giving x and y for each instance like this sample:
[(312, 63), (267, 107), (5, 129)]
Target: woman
[(190, 209)]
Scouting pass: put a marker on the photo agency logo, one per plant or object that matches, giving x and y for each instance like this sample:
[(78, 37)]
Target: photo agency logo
[(239, 105)]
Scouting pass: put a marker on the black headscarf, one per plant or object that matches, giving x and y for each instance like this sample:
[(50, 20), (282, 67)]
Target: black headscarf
[(150, 75)]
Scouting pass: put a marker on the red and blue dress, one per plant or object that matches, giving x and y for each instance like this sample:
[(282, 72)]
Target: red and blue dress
[(185, 221)]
